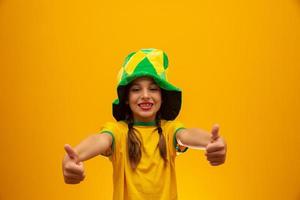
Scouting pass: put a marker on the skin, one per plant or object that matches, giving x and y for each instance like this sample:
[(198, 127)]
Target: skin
[(142, 90), (212, 142)]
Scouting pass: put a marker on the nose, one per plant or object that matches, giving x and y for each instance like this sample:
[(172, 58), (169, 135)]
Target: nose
[(145, 94)]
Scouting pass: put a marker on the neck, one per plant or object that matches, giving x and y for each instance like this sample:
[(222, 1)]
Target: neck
[(146, 120), (137, 123)]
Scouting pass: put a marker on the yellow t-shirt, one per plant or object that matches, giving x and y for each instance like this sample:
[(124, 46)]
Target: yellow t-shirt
[(151, 179)]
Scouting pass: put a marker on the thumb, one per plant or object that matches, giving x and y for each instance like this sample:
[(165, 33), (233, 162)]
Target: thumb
[(215, 132), (71, 153)]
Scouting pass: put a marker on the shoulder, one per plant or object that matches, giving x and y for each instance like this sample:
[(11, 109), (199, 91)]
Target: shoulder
[(171, 129), (116, 130), (114, 127), (172, 124)]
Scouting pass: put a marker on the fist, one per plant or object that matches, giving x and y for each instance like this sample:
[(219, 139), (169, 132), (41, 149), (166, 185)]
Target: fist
[(216, 149), (73, 170)]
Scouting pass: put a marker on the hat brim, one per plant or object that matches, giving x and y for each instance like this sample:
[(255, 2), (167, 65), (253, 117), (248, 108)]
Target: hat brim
[(171, 102)]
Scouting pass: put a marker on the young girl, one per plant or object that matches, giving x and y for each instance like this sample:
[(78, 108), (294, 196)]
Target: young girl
[(143, 142)]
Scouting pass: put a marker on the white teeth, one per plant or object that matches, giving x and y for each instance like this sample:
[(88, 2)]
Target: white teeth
[(145, 105)]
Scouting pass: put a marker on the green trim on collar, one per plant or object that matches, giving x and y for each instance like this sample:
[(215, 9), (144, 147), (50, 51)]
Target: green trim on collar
[(152, 123)]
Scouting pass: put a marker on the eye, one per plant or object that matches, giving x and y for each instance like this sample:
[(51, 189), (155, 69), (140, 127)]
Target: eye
[(134, 89), (154, 88)]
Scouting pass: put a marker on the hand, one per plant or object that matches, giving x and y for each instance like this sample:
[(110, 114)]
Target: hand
[(73, 170), (216, 149)]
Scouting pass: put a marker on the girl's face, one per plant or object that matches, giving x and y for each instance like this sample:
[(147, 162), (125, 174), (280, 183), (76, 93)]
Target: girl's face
[(144, 99)]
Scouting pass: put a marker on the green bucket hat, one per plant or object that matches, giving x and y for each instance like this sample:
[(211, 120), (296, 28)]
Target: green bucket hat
[(152, 63)]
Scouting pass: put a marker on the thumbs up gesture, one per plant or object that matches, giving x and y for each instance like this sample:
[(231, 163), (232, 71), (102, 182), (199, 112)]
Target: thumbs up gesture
[(216, 149), (73, 170)]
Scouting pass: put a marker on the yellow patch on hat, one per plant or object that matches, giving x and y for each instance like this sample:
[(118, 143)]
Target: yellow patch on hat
[(134, 61)]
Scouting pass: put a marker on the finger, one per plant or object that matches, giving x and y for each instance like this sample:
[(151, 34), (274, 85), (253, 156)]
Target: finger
[(216, 159), (213, 147), (74, 168), (215, 132), (215, 163), (71, 175), (71, 152), (215, 154), (72, 181)]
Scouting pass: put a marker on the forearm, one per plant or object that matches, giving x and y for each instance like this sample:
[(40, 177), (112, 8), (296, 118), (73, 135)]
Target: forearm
[(93, 146), (194, 138)]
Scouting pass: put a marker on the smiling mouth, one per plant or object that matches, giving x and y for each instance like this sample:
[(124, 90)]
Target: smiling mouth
[(145, 106)]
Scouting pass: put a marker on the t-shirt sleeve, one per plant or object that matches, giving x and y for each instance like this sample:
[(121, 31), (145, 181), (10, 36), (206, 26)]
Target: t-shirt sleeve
[(174, 128), (110, 129)]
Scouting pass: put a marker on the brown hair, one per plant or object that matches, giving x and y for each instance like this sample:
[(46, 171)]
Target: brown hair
[(134, 143)]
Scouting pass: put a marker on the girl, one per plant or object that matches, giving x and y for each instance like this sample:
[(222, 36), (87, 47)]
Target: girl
[(143, 142)]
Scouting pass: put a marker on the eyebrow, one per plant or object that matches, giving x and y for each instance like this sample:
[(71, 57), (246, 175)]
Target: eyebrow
[(137, 84)]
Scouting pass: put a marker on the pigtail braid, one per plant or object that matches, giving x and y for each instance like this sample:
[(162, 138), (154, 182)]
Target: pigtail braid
[(161, 142), (133, 144)]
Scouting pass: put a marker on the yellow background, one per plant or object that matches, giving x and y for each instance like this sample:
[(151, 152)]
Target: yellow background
[(236, 61)]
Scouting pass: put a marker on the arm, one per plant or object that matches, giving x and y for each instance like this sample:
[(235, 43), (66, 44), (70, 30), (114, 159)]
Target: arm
[(72, 166), (215, 145), (193, 138), (93, 146)]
